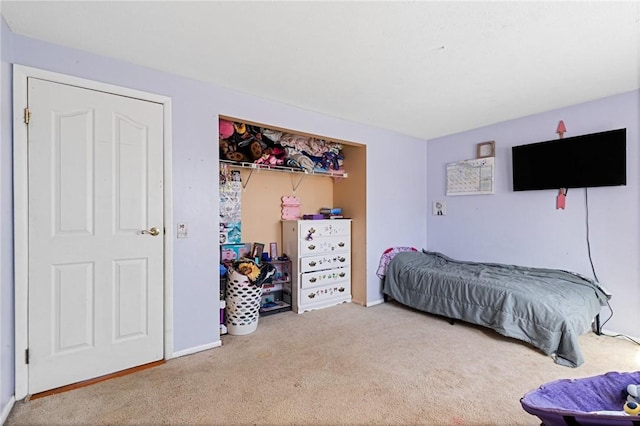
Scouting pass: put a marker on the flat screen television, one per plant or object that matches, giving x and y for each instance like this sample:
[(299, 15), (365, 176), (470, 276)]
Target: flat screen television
[(597, 159)]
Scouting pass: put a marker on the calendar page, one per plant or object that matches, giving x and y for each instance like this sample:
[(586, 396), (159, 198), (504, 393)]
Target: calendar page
[(471, 177)]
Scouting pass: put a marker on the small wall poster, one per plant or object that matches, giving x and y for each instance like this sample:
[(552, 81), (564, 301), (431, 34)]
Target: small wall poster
[(230, 205), (439, 208)]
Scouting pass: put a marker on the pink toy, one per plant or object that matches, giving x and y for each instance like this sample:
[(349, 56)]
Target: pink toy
[(269, 159), (225, 128)]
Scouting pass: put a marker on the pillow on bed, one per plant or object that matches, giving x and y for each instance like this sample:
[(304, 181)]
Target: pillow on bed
[(386, 257)]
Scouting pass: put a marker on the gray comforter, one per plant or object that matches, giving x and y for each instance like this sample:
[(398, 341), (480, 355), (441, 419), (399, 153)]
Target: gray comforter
[(545, 307)]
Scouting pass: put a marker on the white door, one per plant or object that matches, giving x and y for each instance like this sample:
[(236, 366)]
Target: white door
[(95, 302)]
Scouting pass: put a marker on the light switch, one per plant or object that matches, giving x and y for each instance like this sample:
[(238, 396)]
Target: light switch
[(183, 231)]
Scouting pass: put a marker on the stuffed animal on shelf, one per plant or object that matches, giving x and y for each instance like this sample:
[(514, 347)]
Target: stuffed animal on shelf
[(225, 128), (229, 151), (632, 406)]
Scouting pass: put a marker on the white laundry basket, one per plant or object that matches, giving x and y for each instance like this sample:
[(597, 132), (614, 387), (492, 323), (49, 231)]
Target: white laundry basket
[(243, 304)]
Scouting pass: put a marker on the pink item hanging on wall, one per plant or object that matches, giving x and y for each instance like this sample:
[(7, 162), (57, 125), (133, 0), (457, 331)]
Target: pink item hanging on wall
[(290, 207)]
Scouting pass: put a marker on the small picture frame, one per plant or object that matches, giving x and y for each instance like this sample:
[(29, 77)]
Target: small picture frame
[(486, 149), (258, 248), (273, 250)]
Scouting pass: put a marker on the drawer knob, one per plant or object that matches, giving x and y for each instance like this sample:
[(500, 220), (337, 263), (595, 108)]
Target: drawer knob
[(340, 244), (311, 296), (341, 259), (312, 247), (312, 263), (342, 274), (313, 280), (341, 289)]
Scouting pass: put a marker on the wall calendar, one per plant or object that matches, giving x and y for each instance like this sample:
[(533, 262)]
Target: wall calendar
[(471, 177)]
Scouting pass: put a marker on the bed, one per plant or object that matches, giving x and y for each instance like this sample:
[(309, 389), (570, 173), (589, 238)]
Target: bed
[(546, 308)]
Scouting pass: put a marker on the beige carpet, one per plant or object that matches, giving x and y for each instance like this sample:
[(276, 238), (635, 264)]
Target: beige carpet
[(342, 365)]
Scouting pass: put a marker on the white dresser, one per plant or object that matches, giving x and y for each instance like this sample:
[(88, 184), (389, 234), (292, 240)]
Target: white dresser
[(320, 252)]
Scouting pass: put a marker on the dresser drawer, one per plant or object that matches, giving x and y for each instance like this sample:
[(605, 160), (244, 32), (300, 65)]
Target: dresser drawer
[(328, 292), (324, 261), (325, 245), (324, 228), (322, 278)]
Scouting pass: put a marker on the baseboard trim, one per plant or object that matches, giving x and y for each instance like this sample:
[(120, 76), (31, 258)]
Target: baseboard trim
[(7, 410), (375, 302), (197, 349)]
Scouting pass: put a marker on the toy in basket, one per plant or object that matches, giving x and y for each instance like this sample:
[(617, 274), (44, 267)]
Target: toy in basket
[(632, 405), (244, 292)]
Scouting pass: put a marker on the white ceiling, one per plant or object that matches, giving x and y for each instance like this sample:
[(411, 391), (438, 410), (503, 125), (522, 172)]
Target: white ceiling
[(424, 69)]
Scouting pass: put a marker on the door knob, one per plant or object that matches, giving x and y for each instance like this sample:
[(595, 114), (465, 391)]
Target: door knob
[(153, 231)]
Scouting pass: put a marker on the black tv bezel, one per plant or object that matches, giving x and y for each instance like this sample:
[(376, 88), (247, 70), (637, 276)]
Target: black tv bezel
[(562, 144)]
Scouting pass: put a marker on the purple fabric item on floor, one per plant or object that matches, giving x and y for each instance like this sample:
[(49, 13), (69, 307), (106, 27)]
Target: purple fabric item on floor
[(579, 398)]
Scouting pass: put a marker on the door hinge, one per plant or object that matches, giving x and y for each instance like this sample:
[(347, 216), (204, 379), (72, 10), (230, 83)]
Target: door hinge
[(26, 356), (27, 116)]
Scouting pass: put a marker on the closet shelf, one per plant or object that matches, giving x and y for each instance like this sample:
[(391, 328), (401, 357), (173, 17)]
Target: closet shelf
[(286, 169)]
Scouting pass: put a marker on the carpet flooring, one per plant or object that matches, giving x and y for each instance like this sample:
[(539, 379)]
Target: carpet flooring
[(344, 365)]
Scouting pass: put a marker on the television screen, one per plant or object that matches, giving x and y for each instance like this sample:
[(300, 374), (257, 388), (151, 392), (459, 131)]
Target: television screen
[(597, 159)]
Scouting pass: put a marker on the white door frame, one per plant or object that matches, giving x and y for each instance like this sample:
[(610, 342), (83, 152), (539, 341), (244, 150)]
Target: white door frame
[(21, 210)]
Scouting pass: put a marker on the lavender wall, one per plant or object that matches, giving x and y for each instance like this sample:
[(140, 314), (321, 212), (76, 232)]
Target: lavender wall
[(6, 222), (525, 227), (196, 106)]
